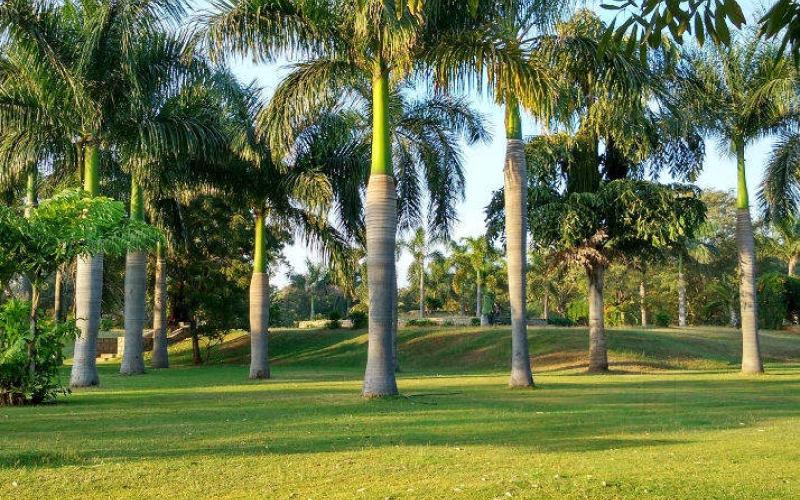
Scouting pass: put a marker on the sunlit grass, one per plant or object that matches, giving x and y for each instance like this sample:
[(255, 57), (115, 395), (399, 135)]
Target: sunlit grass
[(209, 432)]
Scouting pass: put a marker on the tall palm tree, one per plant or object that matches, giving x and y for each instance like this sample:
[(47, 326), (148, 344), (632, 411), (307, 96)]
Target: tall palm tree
[(493, 48), (482, 257), (88, 60), (740, 94), (346, 44)]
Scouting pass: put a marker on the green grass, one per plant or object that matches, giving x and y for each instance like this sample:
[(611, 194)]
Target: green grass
[(681, 422)]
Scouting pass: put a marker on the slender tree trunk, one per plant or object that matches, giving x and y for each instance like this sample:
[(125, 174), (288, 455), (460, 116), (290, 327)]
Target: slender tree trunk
[(381, 225), (642, 306), (31, 202), (422, 290), (395, 331), (311, 294), (751, 352), (160, 357), (88, 291), (546, 307), (259, 306), (598, 355), (135, 292), (58, 297), (681, 294), (793, 265), (197, 358), (34, 331), (733, 316), (516, 207)]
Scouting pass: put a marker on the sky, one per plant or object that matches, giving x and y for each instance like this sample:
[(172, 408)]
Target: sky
[(483, 163)]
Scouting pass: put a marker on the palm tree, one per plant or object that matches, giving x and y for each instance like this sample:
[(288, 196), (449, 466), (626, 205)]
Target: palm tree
[(90, 59), (482, 257), (740, 94), (347, 44), (493, 47), (419, 246)]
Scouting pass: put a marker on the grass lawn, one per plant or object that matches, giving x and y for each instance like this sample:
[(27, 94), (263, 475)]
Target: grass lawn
[(677, 420)]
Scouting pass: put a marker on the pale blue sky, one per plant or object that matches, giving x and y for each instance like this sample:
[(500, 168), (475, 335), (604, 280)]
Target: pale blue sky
[(483, 163)]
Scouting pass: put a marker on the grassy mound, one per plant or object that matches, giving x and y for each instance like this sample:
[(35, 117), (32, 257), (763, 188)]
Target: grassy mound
[(449, 350)]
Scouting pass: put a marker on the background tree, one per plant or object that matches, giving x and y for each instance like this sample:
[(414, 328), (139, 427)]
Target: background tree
[(737, 95)]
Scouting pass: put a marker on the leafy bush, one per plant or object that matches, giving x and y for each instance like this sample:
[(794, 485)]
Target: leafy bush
[(334, 320), (578, 312), (420, 322), (772, 300), (556, 320), (359, 316), (29, 364), (662, 319), (475, 322)]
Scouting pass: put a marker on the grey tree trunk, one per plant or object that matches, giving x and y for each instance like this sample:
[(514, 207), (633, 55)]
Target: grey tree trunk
[(88, 301), (598, 355), (259, 326), (681, 299), (516, 207), (642, 306), (58, 297), (733, 317), (160, 357), (751, 352), (478, 298), (381, 225), (422, 291), (395, 326), (546, 307), (312, 306), (135, 315)]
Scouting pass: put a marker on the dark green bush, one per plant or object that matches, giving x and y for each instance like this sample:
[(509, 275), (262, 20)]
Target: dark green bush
[(19, 352), (556, 320), (773, 305), (334, 320), (662, 319), (475, 322), (359, 319), (420, 322)]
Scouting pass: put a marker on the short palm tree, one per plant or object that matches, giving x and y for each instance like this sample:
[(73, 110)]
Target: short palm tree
[(346, 44), (740, 94)]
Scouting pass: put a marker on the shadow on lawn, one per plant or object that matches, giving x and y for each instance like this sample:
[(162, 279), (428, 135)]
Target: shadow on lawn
[(306, 416)]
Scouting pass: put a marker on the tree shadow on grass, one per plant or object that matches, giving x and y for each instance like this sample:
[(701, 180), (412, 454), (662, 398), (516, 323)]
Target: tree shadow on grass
[(305, 417)]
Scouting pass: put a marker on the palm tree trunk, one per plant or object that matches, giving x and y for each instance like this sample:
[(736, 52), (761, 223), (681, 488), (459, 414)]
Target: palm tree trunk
[(381, 225), (160, 357), (395, 331), (34, 331), (793, 265), (31, 201), (58, 297), (546, 307), (642, 307), (259, 306), (751, 352), (88, 291), (422, 290), (516, 207), (598, 355), (479, 300), (681, 294), (135, 291), (733, 318)]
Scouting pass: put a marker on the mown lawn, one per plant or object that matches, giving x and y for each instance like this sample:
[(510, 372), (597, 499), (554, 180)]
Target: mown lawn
[(677, 421)]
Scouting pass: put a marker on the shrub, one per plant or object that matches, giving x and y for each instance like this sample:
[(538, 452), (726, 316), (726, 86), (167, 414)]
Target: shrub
[(772, 300), (420, 322), (448, 322), (334, 320), (19, 351), (557, 320), (475, 322), (662, 319), (359, 316)]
